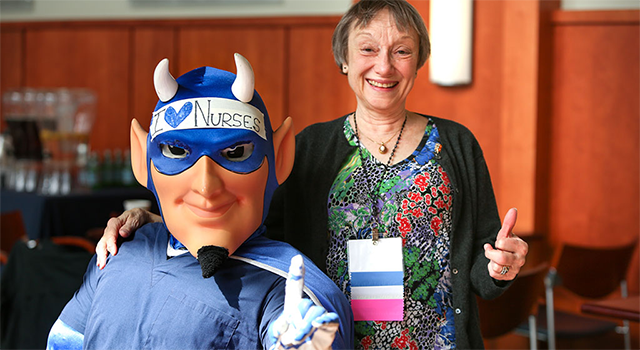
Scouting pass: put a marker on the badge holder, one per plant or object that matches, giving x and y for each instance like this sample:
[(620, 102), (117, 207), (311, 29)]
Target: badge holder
[(377, 278)]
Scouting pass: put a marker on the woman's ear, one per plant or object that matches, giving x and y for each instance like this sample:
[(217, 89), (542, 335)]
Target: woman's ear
[(284, 147), (139, 152)]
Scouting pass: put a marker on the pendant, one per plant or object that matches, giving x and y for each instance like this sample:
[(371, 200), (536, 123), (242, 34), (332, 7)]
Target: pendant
[(383, 149), (375, 235)]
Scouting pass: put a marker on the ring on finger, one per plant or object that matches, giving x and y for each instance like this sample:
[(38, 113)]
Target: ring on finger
[(505, 269)]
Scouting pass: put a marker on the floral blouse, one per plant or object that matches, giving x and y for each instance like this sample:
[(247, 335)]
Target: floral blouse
[(413, 200)]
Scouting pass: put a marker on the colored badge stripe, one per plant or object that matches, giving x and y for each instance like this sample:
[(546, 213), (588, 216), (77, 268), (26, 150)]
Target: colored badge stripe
[(383, 292), (377, 309), (377, 284), (377, 278)]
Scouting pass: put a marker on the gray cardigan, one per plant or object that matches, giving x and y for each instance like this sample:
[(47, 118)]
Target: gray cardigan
[(320, 152)]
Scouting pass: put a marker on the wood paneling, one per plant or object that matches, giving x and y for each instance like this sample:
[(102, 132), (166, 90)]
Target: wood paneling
[(264, 47), (117, 58), (317, 90), (150, 46), (523, 66), (478, 105), (95, 58), (11, 47), (595, 141)]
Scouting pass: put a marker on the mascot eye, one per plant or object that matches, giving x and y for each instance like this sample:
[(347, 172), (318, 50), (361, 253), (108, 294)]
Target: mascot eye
[(238, 153), (173, 152)]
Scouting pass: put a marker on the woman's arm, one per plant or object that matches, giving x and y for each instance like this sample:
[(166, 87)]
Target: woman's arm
[(123, 225)]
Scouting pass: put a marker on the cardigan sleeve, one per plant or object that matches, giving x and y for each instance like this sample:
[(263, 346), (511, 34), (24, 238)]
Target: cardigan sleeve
[(487, 226)]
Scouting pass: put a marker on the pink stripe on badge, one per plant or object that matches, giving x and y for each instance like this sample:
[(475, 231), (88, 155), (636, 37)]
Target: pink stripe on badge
[(377, 309)]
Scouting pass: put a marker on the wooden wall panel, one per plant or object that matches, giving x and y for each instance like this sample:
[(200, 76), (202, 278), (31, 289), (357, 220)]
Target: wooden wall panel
[(595, 141), (91, 57), (478, 105), (150, 46), (317, 90), (525, 64), (264, 47), (11, 57)]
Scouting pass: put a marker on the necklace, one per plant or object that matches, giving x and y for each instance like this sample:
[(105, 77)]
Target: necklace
[(382, 148), (375, 233)]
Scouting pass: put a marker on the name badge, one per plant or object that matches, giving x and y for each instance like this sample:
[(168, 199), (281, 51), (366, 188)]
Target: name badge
[(377, 279)]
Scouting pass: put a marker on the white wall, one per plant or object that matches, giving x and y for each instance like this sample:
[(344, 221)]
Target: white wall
[(128, 9), (600, 4), (37, 10)]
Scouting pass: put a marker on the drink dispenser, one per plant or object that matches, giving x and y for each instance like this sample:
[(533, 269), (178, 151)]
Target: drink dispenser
[(49, 130)]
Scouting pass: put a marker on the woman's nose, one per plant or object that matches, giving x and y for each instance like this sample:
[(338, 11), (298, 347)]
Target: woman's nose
[(384, 63), (205, 180)]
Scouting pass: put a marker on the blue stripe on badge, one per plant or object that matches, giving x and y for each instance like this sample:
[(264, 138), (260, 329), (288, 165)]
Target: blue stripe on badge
[(376, 278)]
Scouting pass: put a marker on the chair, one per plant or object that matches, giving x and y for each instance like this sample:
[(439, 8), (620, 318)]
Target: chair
[(588, 272), (519, 303), (11, 230), (75, 241)]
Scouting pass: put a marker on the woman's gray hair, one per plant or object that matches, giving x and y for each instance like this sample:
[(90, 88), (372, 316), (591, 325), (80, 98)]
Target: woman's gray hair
[(361, 14)]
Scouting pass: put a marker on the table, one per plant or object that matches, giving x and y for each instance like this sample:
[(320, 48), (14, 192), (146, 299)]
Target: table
[(35, 286), (620, 308), (46, 216)]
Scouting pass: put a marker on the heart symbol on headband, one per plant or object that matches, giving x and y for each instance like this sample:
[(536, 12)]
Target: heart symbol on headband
[(174, 119)]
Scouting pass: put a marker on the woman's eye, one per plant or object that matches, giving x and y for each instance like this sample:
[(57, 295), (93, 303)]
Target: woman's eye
[(403, 51), (174, 152), (238, 153)]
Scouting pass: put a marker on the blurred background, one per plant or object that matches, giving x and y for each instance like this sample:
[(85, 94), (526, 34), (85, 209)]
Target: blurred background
[(554, 101)]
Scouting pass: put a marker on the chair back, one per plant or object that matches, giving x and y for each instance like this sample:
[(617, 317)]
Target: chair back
[(11, 229), (593, 272), (506, 312), (75, 241)]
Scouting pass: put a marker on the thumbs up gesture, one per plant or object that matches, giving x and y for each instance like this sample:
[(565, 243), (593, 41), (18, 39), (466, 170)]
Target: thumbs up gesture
[(509, 252)]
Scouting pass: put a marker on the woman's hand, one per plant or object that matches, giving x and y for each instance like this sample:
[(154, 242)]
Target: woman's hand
[(510, 251), (124, 225)]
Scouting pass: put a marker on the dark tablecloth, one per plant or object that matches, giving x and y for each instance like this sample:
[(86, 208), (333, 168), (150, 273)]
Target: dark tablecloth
[(36, 284), (70, 215)]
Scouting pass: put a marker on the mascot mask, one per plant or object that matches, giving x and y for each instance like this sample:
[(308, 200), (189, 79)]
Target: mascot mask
[(211, 158)]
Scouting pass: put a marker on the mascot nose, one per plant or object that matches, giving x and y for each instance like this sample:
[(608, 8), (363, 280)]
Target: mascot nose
[(206, 181)]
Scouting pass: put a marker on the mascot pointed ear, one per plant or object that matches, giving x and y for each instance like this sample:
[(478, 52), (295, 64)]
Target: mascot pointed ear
[(139, 152), (284, 147)]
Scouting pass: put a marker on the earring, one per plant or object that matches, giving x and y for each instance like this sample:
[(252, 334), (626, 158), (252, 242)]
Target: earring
[(344, 69)]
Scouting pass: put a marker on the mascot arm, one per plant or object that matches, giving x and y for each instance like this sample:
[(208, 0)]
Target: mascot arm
[(62, 336), (302, 325)]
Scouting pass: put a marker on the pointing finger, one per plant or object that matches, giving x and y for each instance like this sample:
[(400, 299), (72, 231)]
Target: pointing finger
[(294, 286)]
